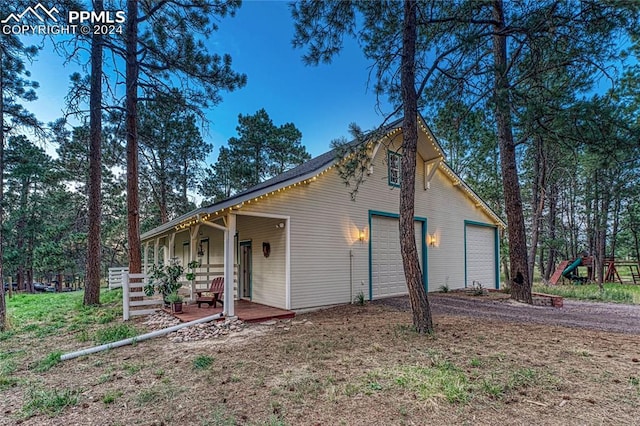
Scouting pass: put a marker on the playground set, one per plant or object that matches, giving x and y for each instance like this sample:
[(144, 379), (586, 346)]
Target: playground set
[(569, 269)]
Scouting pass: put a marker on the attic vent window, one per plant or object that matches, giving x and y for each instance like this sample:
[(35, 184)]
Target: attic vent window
[(394, 168)]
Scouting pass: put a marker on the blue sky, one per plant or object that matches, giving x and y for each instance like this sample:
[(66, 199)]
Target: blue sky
[(320, 100)]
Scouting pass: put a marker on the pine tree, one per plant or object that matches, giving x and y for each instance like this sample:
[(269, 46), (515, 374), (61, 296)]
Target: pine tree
[(161, 48), (15, 87), (394, 44), (172, 153), (261, 151)]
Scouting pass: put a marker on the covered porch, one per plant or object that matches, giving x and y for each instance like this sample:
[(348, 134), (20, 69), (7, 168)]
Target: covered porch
[(245, 310), (250, 250)]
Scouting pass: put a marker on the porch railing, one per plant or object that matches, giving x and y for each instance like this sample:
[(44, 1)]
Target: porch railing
[(134, 300), (115, 276), (204, 274)]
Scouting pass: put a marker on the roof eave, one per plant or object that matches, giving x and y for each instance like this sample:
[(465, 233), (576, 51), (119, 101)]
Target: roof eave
[(235, 202)]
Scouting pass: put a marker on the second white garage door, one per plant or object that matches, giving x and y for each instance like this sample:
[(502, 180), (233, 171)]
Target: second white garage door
[(387, 273), (480, 255)]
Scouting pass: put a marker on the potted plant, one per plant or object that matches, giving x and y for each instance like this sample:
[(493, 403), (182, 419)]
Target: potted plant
[(193, 265), (176, 302), (164, 280)]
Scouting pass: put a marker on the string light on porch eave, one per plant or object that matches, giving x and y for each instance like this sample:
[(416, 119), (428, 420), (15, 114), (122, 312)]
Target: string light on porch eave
[(288, 187), (430, 138), (392, 132), (457, 182)]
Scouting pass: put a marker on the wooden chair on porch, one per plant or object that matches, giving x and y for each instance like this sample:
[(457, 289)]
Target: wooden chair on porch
[(216, 290)]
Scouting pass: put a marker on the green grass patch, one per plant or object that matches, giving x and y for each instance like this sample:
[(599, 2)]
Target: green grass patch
[(132, 369), (202, 362), (48, 362), (114, 333), (219, 417), (635, 383), (618, 293), (148, 396), (443, 380), (106, 377), (50, 402), (7, 382), (46, 314), (110, 396), (523, 378), (8, 366), (493, 388), (6, 335), (163, 393)]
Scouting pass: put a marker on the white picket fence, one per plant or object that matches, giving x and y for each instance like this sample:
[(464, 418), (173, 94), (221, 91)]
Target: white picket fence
[(115, 276)]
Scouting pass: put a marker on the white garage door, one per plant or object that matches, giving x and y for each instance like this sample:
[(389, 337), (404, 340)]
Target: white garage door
[(481, 256), (387, 273)]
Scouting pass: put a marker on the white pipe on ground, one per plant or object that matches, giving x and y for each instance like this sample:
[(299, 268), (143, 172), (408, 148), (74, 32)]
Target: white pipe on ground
[(140, 338)]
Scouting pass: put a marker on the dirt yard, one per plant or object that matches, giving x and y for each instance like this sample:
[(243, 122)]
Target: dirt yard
[(498, 306), (490, 361)]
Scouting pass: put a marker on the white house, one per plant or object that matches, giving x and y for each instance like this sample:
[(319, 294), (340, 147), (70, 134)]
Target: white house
[(299, 241)]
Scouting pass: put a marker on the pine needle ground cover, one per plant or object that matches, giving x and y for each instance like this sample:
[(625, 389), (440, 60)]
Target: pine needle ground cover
[(351, 365)]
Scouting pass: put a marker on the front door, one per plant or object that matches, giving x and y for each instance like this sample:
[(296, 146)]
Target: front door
[(245, 269)]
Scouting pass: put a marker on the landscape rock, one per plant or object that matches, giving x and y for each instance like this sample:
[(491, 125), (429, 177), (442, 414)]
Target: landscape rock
[(209, 330)]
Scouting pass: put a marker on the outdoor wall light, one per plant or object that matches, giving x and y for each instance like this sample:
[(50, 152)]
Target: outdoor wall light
[(280, 225), (433, 240), (361, 235)]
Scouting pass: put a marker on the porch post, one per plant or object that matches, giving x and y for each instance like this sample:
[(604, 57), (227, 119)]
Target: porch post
[(287, 265), (145, 258), (229, 260), (156, 251), (171, 250), (192, 244)]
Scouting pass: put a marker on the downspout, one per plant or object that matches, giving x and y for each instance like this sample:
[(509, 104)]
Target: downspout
[(350, 276), (136, 339)]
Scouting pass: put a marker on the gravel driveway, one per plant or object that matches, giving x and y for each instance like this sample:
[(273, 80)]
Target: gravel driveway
[(577, 314)]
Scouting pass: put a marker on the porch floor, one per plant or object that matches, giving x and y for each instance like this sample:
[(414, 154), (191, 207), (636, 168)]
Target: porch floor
[(244, 310)]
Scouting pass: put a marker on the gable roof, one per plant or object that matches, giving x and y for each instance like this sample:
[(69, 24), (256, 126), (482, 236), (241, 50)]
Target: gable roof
[(303, 173)]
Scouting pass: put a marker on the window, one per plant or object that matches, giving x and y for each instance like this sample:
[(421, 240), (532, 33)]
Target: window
[(394, 168)]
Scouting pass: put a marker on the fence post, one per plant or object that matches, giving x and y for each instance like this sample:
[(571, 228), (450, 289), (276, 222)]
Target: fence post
[(125, 296)]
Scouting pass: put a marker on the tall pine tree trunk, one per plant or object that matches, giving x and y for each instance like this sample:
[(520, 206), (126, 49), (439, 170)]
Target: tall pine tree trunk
[(551, 229), (603, 203), (131, 106), (520, 280), (92, 283), (21, 226), (3, 302), (537, 201), (616, 225), (417, 293), (633, 227)]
